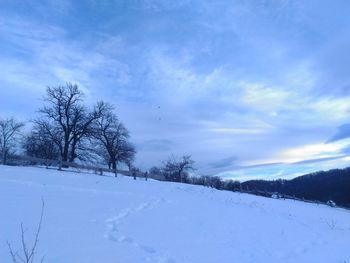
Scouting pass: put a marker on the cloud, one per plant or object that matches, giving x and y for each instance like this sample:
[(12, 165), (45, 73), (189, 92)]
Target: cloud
[(342, 133), (264, 81), (318, 160), (224, 163), (307, 152), (273, 171), (157, 145)]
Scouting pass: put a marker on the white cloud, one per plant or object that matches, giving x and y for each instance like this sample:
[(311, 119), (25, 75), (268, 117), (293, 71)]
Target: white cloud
[(269, 99), (312, 151)]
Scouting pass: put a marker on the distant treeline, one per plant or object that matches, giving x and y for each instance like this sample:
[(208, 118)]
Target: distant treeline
[(333, 185), (320, 186)]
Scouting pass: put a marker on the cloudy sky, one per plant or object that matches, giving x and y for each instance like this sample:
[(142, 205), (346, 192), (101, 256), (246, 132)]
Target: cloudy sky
[(250, 89)]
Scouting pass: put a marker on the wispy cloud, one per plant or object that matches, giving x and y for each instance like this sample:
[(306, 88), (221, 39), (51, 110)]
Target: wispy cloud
[(224, 163), (264, 81), (343, 132)]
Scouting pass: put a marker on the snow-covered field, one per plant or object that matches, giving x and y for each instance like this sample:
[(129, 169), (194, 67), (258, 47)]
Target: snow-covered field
[(90, 218)]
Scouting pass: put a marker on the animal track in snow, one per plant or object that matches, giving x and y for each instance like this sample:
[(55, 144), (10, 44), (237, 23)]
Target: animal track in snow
[(112, 232)]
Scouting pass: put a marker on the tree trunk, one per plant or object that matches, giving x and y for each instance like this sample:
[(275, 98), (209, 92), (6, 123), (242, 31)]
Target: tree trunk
[(4, 157), (4, 152), (73, 154), (64, 155)]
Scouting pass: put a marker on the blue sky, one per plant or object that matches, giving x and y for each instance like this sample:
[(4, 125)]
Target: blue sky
[(251, 89)]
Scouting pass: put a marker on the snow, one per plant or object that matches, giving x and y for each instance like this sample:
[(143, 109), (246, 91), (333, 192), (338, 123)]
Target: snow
[(90, 218)]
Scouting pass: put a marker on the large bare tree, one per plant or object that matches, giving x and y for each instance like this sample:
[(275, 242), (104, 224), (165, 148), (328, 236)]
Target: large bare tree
[(9, 131), (113, 138), (65, 119)]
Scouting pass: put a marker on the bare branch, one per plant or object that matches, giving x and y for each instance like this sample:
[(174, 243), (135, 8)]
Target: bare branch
[(28, 255), (9, 131)]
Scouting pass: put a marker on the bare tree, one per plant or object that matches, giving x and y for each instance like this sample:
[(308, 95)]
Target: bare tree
[(9, 131), (39, 144), (177, 169), (27, 254), (65, 119), (126, 154), (155, 171), (113, 138)]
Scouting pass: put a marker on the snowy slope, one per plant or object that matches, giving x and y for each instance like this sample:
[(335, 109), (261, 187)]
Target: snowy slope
[(89, 218)]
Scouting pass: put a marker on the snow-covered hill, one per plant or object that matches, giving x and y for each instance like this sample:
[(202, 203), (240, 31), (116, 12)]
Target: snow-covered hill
[(89, 218)]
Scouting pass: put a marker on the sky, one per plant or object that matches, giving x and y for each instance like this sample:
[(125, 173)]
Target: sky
[(250, 89)]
